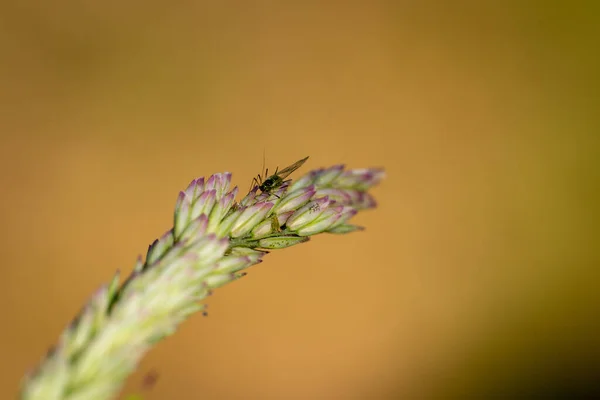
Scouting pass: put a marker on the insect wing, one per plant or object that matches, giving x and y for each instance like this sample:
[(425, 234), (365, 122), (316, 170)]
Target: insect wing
[(284, 173)]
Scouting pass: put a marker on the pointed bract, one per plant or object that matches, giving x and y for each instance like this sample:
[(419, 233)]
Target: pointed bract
[(249, 218), (204, 203), (339, 195), (308, 213), (345, 214), (224, 229), (294, 200), (182, 214), (326, 176), (304, 181), (196, 228), (345, 228), (263, 229), (320, 224), (220, 210), (281, 242)]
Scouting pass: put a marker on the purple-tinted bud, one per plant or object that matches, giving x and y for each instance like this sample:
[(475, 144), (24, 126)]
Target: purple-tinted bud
[(305, 180), (326, 176), (359, 179), (345, 228), (195, 188), (248, 199), (211, 182), (215, 281), (182, 213), (347, 180), (281, 242), (322, 222), (232, 264), (239, 275), (249, 218), (372, 177), (294, 200), (224, 228), (339, 195), (177, 250), (223, 184), (226, 202), (263, 229), (355, 197), (114, 283), (220, 210), (210, 249), (205, 203), (195, 229), (139, 264), (282, 218), (233, 192), (345, 214), (368, 201), (308, 213), (159, 247), (360, 200), (253, 260)]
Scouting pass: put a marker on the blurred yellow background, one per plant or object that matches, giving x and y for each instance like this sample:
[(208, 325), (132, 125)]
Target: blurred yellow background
[(477, 273)]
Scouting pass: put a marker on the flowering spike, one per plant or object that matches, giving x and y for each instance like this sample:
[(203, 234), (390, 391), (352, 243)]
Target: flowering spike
[(214, 240)]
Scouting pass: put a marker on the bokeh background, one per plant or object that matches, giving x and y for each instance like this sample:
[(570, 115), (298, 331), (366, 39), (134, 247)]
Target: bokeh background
[(477, 274)]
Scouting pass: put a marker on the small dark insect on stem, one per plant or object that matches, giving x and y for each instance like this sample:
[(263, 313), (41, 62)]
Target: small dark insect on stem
[(272, 182)]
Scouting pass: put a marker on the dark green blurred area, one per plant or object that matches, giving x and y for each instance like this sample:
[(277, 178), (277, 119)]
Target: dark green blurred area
[(477, 277)]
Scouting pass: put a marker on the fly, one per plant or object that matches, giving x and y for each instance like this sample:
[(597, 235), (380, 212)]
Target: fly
[(278, 178)]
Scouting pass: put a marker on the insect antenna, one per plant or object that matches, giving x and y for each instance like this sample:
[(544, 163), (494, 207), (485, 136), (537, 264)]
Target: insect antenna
[(263, 166), (258, 180)]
